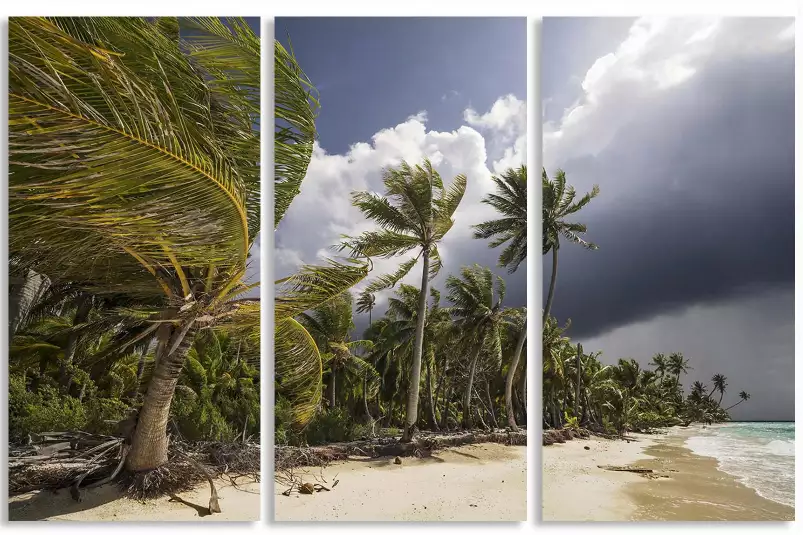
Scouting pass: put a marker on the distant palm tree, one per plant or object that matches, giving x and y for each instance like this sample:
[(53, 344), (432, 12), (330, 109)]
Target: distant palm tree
[(744, 395), (698, 390), (330, 325), (558, 203), (479, 315), (414, 213), (510, 200), (365, 303), (719, 385), (660, 362), (677, 365)]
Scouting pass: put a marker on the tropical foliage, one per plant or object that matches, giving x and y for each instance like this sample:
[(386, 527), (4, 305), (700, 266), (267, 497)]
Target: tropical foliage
[(450, 359), (579, 389), (134, 192)]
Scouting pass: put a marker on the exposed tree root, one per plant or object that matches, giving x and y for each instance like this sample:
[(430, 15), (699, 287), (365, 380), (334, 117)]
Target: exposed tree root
[(78, 461), (289, 457)]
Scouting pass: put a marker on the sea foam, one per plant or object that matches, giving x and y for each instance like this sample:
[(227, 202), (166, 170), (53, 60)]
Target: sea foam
[(760, 454)]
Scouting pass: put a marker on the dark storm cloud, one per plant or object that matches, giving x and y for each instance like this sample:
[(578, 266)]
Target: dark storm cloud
[(696, 203)]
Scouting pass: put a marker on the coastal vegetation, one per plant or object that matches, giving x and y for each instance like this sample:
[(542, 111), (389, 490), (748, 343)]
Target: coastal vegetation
[(579, 389), (441, 359), (134, 204)]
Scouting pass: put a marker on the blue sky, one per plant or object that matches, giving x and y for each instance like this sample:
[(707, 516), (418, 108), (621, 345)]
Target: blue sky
[(374, 72)]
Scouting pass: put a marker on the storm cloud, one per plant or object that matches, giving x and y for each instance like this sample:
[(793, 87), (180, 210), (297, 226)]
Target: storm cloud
[(687, 125)]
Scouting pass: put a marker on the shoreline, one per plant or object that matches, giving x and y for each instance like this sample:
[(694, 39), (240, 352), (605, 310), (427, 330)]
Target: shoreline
[(682, 486), (480, 482)]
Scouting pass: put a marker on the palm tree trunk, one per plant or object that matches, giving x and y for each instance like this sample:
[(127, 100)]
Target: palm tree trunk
[(25, 292), (737, 403), (149, 441), (445, 411), (365, 398), (432, 417), (467, 395), (511, 372), (721, 395), (551, 294), (491, 404), (415, 375), (332, 392)]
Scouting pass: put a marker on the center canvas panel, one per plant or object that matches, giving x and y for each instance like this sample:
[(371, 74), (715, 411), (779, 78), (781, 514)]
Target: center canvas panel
[(400, 258)]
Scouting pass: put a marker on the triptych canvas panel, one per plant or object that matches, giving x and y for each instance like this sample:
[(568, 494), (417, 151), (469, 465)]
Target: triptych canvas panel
[(389, 378)]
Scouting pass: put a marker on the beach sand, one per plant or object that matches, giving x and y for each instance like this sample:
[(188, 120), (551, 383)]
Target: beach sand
[(683, 486), (105, 504), (484, 482)]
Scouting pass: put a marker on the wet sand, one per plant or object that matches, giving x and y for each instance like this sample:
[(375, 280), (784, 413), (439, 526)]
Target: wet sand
[(105, 504), (683, 486), (479, 482), (690, 487)]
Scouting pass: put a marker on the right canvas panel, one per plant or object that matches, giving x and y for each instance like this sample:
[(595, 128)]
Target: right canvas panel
[(668, 242)]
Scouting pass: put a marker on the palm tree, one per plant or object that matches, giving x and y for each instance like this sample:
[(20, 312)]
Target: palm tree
[(415, 213), (660, 362), (676, 365), (477, 296), (298, 362), (720, 384), (558, 204), (698, 390), (744, 395), (330, 325), (163, 201), (365, 303), (511, 202)]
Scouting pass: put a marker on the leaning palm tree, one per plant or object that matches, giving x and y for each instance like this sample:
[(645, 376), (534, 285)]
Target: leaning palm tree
[(744, 395), (134, 170), (510, 200), (720, 385), (298, 361), (559, 203), (477, 310), (414, 214)]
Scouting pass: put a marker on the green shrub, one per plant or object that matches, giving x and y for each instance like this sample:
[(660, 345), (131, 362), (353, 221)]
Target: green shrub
[(333, 425), (45, 410), (571, 421), (103, 415)]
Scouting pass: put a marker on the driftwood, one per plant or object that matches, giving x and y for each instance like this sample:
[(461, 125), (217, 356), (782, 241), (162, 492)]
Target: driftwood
[(625, 469)]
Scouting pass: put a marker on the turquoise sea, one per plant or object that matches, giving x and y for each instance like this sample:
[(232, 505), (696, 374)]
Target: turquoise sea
[(760, 454)]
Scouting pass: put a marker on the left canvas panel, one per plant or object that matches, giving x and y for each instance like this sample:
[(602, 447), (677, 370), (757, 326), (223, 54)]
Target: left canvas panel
[(134, 308)]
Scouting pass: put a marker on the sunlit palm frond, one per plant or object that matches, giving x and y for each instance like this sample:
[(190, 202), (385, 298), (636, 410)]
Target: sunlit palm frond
[(296, 107)]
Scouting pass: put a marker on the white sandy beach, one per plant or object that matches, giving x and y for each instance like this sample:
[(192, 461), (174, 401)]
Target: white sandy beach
[(575, 489), (105, 504), (485, 482), (682, 486)]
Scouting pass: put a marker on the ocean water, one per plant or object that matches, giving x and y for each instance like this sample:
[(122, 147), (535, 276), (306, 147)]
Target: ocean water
[(760, 454)]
